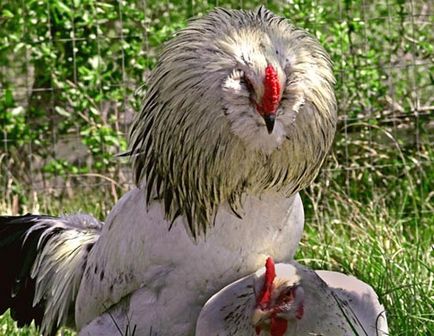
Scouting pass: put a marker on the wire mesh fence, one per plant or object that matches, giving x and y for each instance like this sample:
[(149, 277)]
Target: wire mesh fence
[(70, 70)]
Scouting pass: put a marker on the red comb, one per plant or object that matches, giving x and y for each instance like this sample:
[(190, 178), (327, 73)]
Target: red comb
[(270, 274), (271, 97), (278, 325)]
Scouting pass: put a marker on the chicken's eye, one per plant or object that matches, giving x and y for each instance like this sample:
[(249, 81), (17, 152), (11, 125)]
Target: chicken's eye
[(249, 86)]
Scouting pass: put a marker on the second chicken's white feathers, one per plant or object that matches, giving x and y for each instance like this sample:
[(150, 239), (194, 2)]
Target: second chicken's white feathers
[(334, 304)]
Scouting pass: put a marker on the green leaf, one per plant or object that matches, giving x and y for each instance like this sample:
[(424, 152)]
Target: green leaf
[(7, 14), (9, 98), (16, 111), (63, 8), (61, 111)]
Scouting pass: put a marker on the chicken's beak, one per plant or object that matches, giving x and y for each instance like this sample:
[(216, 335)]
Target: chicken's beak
[(269, 122), (259, 316)]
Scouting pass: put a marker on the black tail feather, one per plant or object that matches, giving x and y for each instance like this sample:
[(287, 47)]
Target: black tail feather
[(17, 255)]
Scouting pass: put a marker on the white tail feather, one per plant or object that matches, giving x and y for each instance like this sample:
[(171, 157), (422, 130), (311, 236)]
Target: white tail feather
[(59, 266)]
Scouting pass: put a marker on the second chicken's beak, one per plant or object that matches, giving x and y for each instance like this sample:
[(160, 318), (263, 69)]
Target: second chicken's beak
[(269, 122)]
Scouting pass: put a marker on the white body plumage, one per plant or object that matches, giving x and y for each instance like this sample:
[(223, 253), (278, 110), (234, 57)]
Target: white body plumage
[(164, 276)]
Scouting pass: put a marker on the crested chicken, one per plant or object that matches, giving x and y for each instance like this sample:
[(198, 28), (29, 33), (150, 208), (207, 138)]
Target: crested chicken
[(238, 117)]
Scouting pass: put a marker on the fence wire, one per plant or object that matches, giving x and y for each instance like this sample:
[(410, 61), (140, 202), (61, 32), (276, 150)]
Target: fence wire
[(69, 72)]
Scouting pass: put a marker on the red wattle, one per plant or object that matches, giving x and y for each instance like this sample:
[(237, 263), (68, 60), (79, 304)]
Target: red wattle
[(278, 326), (299, 312), (258, 330)]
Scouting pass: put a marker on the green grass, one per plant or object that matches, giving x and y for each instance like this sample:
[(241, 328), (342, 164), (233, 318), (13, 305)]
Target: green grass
[(383, 248)]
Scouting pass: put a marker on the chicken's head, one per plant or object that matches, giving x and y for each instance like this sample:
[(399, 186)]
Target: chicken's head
[(239, 102), (280, 300)]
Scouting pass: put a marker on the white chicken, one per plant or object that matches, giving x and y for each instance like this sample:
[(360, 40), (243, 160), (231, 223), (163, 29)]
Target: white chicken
[(292, 300), (238, 117)]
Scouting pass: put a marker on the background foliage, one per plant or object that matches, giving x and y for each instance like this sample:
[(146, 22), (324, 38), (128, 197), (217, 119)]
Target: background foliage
[(69, 71)]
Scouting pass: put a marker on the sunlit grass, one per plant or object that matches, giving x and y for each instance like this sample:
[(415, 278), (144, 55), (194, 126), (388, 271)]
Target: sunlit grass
[(383, 249)]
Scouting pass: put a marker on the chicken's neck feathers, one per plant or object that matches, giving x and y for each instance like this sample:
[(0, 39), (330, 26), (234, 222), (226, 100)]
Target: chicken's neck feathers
[(197, 143)]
